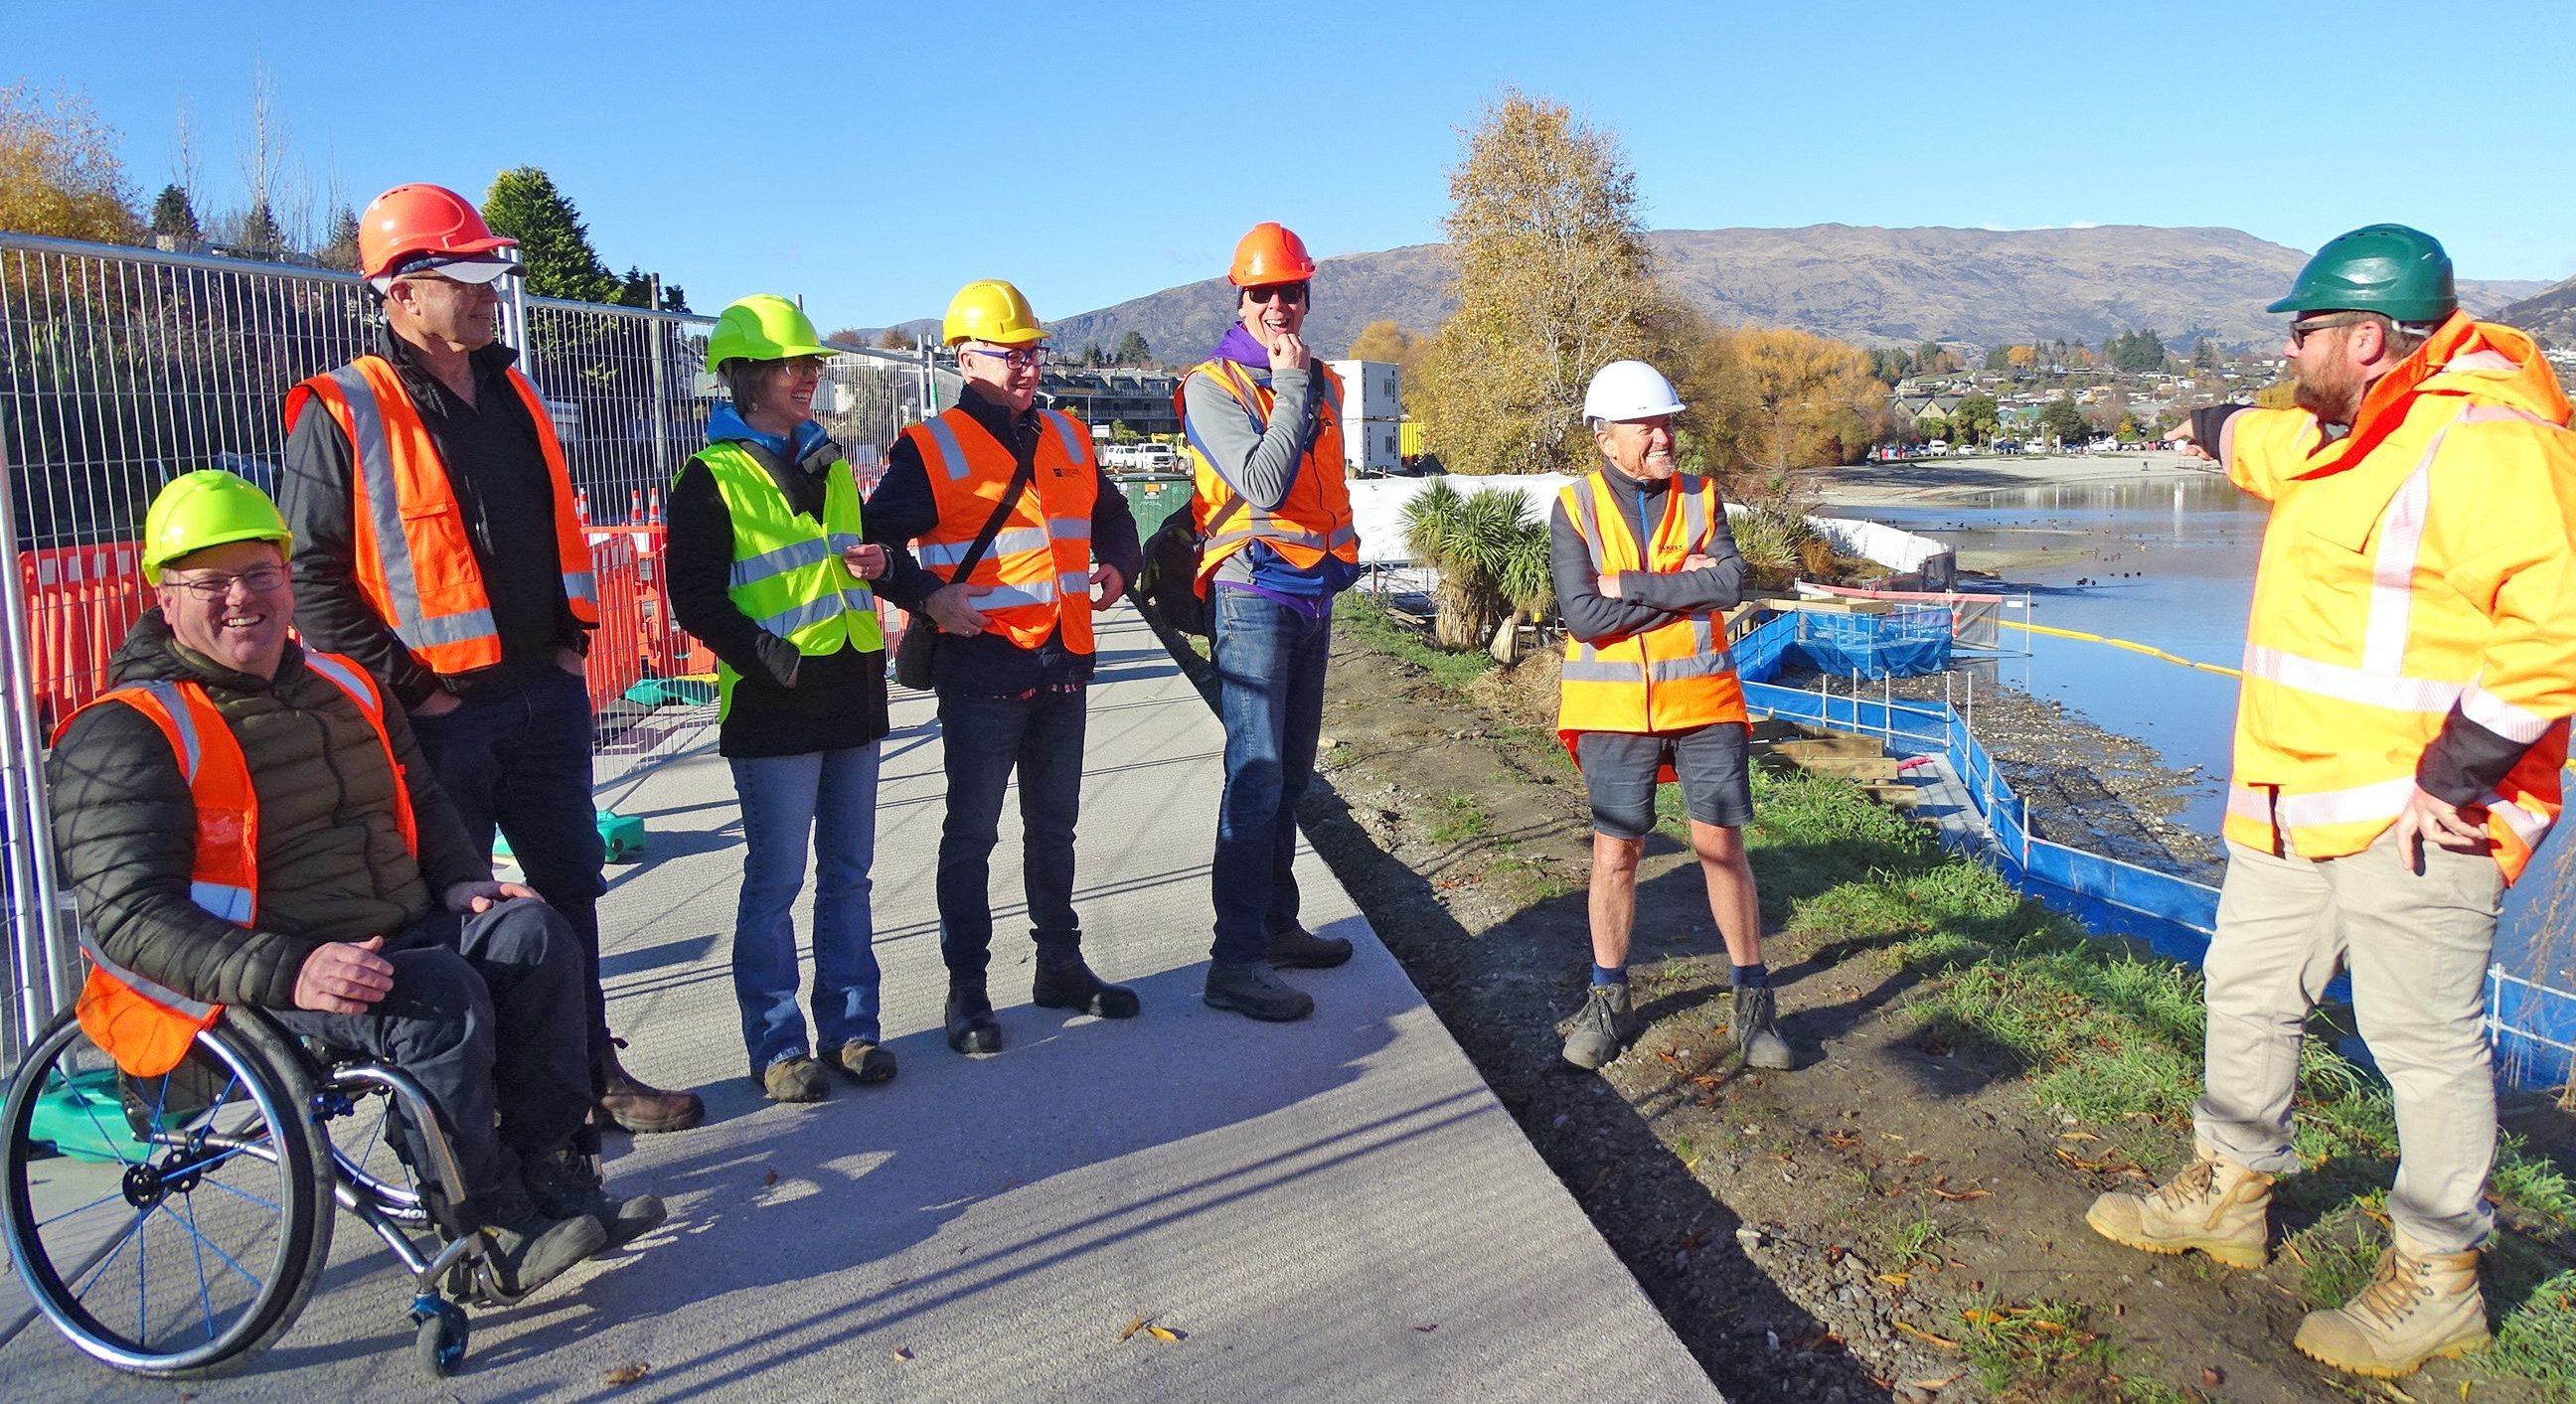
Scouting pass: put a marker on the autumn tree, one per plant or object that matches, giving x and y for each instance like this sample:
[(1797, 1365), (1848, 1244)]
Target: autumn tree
[(59, 170), (523, 204), (1552, 276), (891, 339), (1765, 401)]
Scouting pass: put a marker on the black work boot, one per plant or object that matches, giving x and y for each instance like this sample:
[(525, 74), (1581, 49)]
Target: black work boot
[(531, 1248), (1606, 1025), (1756, 1026), (1300, 949), (567, 1183), (971, 1025), (1251, 989), (1066, 982)]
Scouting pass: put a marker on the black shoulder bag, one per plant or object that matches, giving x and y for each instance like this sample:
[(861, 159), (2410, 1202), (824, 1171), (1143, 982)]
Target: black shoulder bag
[(1169, 581), (914, 652)]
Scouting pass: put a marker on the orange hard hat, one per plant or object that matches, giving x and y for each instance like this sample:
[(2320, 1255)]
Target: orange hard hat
[(1271, 253), (417, 219)]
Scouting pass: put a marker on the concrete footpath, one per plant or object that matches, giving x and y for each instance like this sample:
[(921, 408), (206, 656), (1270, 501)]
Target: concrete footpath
[(1337, 1209)]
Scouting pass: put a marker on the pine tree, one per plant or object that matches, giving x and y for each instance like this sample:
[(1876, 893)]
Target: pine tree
[(260, 235), (341, 249), (174, 216), (523, 204)]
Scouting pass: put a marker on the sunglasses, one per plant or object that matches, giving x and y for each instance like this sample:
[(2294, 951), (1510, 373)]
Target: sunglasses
[(1021, 359), (1286, 294), (2300, 331), (213, 588)]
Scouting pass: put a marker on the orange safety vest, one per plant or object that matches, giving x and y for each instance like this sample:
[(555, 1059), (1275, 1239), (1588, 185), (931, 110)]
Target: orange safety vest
[(1039, 565), (1314, 521), (144, 1025), (1670, 677), (414, 558), (2415, 566)]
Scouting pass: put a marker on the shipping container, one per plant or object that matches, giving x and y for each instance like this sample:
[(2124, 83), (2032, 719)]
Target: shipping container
[(1370, 389)]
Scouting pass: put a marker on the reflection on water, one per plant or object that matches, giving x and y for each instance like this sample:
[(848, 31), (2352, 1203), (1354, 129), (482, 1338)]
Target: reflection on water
[(2168, 564)]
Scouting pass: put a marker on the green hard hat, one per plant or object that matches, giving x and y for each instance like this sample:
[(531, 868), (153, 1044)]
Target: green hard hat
[(763, 327), (208, 508), (2398, 272)]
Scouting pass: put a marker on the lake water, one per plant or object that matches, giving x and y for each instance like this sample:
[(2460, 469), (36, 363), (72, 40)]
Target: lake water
[(2169, 564)]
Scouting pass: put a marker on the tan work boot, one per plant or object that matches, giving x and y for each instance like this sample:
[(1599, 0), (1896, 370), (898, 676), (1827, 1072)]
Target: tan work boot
[(637, 1106), (2417, 1306), (2214, 1205)]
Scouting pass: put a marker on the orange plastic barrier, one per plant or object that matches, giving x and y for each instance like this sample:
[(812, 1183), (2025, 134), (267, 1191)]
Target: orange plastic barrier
[(617, 656), (81, 600)]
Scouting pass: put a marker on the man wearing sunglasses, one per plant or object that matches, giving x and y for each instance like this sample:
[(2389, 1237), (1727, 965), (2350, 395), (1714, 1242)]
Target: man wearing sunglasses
[(1262, 419), (438, 546), (2410, 666), (1014, 640)]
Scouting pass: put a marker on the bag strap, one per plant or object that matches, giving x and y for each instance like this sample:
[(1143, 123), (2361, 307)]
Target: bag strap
[(993, 524)]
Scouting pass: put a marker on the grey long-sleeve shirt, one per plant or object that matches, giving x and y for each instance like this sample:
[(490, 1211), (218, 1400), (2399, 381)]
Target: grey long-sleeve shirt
[(1261, 463), (1646, 598)]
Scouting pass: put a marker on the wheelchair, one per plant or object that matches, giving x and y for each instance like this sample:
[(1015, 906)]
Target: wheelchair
[(174, 1227)]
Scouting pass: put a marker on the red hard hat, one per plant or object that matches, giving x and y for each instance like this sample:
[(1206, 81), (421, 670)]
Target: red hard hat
[(415, 219), (1271, 253)]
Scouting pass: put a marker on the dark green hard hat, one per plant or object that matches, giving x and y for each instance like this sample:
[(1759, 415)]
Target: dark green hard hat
[(2398, 272)]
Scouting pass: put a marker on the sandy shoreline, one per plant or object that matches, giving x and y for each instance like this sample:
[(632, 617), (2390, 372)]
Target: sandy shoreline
[(1932, 480)]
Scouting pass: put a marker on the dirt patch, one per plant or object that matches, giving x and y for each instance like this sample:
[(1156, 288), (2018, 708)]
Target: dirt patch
[(1875, 1225)]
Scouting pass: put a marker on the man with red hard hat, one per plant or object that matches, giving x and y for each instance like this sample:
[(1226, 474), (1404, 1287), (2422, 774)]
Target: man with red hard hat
[(438, 546), (1262, 420)]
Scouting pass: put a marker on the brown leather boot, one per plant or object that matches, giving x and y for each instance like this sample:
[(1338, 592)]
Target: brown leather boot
[(2214, 1205), (637, 1106)]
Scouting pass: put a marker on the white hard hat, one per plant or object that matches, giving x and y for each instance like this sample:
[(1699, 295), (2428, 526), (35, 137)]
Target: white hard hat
[(1629, 390)]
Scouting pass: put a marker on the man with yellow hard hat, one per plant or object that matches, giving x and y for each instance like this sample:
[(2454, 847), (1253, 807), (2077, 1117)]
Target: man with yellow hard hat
[(994, 513), (329, 883)]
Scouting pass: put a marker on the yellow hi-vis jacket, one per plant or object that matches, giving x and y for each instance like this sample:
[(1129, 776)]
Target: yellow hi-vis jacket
[(788, 575), (2418, 574), (1672, 677)]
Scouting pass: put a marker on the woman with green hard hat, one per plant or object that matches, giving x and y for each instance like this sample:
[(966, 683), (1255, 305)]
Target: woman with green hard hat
[(768, 570)]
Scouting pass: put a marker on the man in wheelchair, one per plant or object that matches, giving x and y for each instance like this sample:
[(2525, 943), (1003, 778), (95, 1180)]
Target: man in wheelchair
[(248, 823)]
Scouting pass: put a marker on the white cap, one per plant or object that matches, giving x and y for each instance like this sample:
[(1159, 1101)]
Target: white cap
[(1629, 390)]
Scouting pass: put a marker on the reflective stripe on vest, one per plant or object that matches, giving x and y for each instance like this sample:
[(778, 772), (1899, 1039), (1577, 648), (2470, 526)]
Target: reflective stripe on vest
[(1313, 521), (1037, 570), (1671, 677), (416, 563), (788, 575)]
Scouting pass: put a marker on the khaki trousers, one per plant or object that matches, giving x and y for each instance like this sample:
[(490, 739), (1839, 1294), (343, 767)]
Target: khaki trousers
[(2418, 947)]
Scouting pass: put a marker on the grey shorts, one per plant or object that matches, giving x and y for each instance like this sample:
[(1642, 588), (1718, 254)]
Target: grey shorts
[(1619, 775)]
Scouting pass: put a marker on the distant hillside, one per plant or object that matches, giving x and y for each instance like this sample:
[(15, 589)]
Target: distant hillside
[(2549, 315), (1867, 285)]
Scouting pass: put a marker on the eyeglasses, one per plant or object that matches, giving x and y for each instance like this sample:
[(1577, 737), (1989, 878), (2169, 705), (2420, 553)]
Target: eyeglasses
[(1023, 358), (1286, 294), (2301, 331), (212, 588)]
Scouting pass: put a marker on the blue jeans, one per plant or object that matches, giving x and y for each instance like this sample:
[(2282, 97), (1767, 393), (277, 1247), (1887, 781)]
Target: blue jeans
[(831, 798), (982, 739), (1270, 669), (517, 759)]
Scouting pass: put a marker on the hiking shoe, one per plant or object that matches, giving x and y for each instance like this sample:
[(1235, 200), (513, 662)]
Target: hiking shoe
[(1300, 949), (529, 1247), (1755, 1023), (638, 1107), (1606, 1025), (971, 1025), (2214, 1205), (862, 1062), (1071, 985), (567, 1183), (2417, 1306), (1252, 989), (795, 1078)]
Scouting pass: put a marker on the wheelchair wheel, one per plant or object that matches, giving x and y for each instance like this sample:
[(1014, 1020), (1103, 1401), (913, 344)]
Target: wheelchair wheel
[(173, 1226)]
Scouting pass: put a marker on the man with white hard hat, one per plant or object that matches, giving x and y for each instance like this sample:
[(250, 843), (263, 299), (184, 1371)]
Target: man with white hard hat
[(1645, 568)]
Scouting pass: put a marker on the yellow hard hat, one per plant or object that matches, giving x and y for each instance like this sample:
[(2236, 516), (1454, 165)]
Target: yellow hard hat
[(763, 327), (208, 508), (990, 310)]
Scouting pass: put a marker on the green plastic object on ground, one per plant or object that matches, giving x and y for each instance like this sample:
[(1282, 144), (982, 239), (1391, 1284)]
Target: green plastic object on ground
[(623, 833), (85, 1119), (672, 692)]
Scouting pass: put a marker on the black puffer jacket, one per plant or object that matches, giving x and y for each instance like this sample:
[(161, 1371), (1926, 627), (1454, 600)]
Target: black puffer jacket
[(332, 866)]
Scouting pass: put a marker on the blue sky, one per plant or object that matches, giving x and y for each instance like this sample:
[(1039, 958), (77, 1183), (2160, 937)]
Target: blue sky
[(872, 157)]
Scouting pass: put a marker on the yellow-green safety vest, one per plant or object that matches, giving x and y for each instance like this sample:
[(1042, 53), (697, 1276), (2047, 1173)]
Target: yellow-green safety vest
[(788, 576)]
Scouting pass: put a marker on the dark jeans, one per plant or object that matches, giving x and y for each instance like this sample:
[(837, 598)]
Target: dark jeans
[(982, 739), (1270, 666), (517, 758), (482, 1014)]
